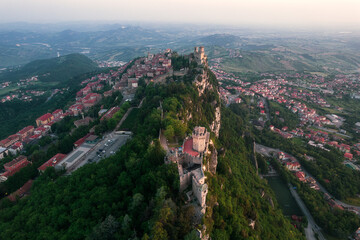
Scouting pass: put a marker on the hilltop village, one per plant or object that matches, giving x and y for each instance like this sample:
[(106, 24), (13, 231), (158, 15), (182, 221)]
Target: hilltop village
[(297, 96), (154, 67), (308, 111)]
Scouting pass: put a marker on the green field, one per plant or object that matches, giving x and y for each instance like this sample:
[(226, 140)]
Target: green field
[(5, 91)]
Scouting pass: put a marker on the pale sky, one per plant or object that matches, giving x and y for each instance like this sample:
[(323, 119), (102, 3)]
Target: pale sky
[(234, 12)]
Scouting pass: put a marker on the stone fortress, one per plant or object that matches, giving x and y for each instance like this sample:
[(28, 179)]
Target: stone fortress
[(200, 57), (190, 165)]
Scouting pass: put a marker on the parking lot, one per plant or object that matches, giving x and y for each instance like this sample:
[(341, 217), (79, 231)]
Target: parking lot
[(103, 149)]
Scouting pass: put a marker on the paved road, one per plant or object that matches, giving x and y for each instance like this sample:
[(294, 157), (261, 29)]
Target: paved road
[(267, 151), (312, 226)]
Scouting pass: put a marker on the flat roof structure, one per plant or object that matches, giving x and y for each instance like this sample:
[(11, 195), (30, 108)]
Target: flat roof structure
[(74, 156)]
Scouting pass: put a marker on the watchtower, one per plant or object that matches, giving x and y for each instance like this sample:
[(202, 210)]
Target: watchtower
[(199, 136)]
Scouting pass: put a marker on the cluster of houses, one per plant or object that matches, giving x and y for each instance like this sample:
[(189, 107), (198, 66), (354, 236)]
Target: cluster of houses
[(124, 78), (23, 96), (153, 66), (294, 166), (14, 143), (14, 166), (339, 86), (276, 88), (4, 84), (320, 139), (284, 132), (106, 64), (27, 95)]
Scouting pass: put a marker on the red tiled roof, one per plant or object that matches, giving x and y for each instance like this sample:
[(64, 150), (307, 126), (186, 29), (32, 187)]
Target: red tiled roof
[(21, 191), (12, 172), (188, 148), (57, 111), (90, 101), (110, 113), (45, 117), (35, 136), (77, 107), (300, 175), (14, 161), (52, 161), (25, 129), (81, 140)]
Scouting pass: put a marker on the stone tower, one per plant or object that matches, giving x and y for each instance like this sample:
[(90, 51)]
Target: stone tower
[(199, 136), (202, 53), (199, 54)]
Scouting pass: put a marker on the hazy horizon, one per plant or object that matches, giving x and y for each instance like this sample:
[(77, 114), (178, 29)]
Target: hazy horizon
[(260, 13)]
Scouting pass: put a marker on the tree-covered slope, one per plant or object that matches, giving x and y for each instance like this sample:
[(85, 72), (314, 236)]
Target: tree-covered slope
[(134, 195), (53, 69), (237, 196)]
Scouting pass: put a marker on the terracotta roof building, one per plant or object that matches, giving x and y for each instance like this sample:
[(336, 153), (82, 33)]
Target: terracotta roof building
[(25, 132), (15, 165), (52, 161), (44, 119)]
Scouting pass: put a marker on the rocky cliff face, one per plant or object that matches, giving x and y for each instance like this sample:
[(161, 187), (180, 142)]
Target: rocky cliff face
[(213, 161), (215, 126), (202, 83)]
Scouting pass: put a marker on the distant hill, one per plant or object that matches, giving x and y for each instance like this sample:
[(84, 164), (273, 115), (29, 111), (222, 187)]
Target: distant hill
[(53, 69), (17, 48)]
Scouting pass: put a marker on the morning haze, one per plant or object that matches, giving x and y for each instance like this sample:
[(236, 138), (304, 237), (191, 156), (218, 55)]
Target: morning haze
[(180, 119), (300, 13)]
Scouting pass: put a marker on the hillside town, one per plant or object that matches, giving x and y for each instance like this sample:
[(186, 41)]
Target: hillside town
[(125, 79), (296, 93)]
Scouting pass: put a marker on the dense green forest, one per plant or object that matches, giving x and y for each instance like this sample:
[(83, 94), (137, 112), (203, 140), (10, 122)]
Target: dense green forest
[(326, 167), (285, 117), (235, 192), (134, 195)]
